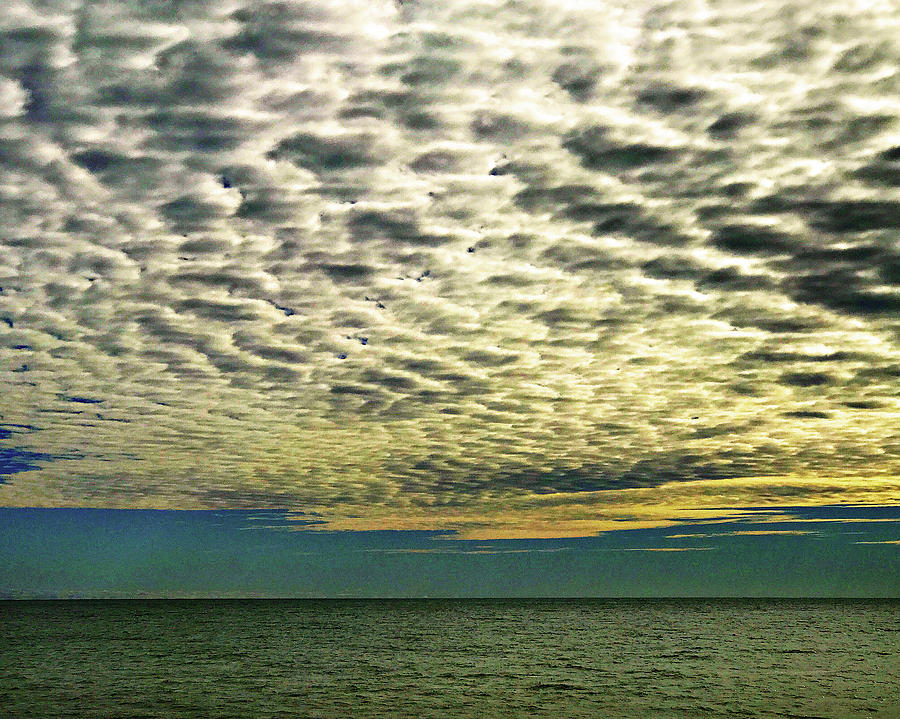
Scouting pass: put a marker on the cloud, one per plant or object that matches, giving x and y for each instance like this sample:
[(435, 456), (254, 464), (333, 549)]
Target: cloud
[(662, 549), (749, 239), (597, 150), (388, 259), (324, 154), (806, 379), (279, 32), (727, 125), (745, 533), (578, 77)]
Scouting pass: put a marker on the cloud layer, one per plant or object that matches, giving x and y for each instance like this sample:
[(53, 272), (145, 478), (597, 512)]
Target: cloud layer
[(428, 255)]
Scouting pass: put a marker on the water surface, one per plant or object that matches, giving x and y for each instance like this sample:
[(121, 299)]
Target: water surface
[(208, 659)]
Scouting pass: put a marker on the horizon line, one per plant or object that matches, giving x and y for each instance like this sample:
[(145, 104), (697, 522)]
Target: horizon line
[(457, 598)]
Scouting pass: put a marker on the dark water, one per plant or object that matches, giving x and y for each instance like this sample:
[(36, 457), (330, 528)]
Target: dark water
[(528, 658)]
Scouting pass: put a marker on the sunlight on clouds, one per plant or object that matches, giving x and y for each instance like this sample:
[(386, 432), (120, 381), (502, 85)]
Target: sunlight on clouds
[(588, 514), (526, 269), (746, 533)]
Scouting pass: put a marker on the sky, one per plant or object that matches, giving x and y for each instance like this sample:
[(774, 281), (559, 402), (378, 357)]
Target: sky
[(551, 271), (826, 551)]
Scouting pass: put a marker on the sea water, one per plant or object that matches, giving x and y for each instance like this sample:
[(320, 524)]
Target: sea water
[(450, 658)]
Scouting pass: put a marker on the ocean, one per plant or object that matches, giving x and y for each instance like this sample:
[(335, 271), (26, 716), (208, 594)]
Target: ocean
[(211, 659)]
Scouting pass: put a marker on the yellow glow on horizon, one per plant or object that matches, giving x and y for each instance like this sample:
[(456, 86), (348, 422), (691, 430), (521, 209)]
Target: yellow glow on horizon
[(584, 514)]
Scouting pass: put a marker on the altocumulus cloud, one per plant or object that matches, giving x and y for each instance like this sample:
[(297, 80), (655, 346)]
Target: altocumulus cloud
[(448, 262)]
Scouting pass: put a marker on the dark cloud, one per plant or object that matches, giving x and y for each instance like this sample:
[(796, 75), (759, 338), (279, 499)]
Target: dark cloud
[(249, 498), (279, 354), (581, 203), (222, 311), (425, 71), (203, 246), (776, 356), (599, 150), (344, 271), (491, 358), (199, 73), (389, 381), (843, 290), (193, 130), (733, 280), (858, 129), (885, 373), (513, 280), (806, 379), (269, 205), (397, 226), (280, 32), (753, 239), (673, 267), (190, 214), (726, 126), (232, 279), (643, 473), (880, 173), (565, 316), (807, 414), (436, 161), (546, 199), (580, 257), (100, 161), (669, 98), (884, 169), (851, 216), (577, 77), (326, 154), (864, 404), (863, 56), (864, 255), (412, 108), (37, 78), (349, 389), (498, 126), (718, 430)]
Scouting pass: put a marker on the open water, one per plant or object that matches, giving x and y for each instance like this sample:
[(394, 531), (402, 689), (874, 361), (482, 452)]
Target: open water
[(450, 658)]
